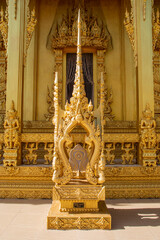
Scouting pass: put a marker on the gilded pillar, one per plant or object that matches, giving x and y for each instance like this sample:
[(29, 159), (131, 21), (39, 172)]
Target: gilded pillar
[(59, 68), (30, 68), (15, 66), (16, 39), (100, 69), (145, 53)]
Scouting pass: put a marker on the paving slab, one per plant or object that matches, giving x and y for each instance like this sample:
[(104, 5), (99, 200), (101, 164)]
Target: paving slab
[(132, 219)]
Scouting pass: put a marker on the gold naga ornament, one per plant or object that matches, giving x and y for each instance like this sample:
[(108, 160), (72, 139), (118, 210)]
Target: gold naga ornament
[(78, 169)]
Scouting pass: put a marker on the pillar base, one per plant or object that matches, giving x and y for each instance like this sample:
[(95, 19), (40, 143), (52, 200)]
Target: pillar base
[(10, 157), (149, 157), (66, 220)]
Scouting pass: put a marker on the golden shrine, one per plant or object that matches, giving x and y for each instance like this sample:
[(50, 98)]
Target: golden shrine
[(78, 172), (79, 122)]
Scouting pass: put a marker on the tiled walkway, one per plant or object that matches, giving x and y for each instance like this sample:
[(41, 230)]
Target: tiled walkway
[(131, 220)]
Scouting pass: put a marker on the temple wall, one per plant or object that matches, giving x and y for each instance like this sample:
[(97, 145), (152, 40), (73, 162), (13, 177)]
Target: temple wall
[(119, 63), (47, 10)]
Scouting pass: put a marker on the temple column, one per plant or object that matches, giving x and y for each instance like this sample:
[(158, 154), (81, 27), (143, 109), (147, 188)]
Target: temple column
[(145, 85), (30, 71), (15, 68), (143, 17), (16, 37)]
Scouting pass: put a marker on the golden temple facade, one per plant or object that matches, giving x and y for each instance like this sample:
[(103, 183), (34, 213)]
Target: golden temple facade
[(120, 44)]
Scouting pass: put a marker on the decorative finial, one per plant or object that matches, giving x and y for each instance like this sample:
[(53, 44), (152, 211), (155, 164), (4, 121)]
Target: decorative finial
[(78, 89), (11, 112), (79, 54), (147, 113), (12, 105)]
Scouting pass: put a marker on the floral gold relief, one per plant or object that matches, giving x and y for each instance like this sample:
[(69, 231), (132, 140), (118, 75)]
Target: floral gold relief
[(4, 24), (129, 23)]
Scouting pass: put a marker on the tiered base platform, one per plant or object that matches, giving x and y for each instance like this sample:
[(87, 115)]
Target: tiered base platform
[(66, 220)]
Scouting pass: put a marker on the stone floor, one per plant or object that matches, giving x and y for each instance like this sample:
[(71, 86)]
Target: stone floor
[(131, 220)]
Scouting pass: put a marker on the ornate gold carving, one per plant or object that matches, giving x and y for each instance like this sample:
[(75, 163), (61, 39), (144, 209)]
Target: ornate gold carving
[(2, 86), (144, 9), (109, 147), (1, 44), (129, 23), (156, 76), (37, 127), (29, 173), (82, 192), (1, 137), (4, 25), (156, 27), (15, 9), (58, 68), (0, 152), (128, 137), (150, 163), (31, 156), (108, 95), (69, 159), (59, 176), (93, 34), (121, 182), (107, 107), (148, 138), (11, 137), (89, 195), (127, 157), (79, 223), (50, 96), (26, 193), (50, 102), (100, 70), (116, 173), (37, 137), (12, 171), (149, 171), (130, 192), (11, 126), (60, 220), (49, 156), (31, 24), (136, 173)]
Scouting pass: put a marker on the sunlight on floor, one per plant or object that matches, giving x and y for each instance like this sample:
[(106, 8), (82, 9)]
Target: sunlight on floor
[(132, 219)]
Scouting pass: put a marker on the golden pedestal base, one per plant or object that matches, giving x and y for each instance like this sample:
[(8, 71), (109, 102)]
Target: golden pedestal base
[(66, 220), (10, 157), (149, 157), (79, 198)]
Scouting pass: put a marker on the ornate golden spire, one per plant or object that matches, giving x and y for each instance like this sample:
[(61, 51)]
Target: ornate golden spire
[(78, 89), (78, 108)]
